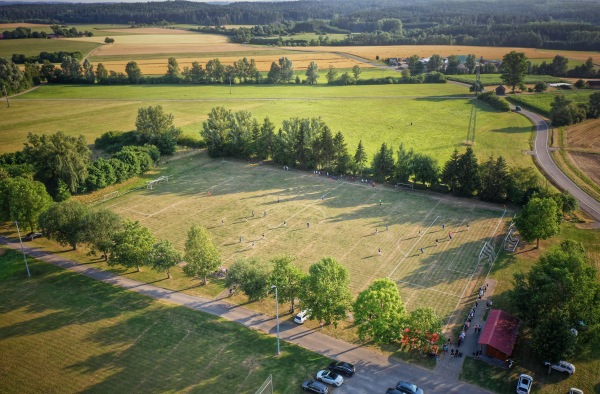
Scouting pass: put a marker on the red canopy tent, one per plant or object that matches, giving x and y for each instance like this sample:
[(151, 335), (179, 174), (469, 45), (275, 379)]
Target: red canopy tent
[(499, 334)]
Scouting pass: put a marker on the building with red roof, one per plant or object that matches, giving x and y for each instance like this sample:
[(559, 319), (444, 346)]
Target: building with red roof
[(499, 334)]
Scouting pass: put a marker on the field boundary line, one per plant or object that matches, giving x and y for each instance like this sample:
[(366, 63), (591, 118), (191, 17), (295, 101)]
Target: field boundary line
[(471, 278)]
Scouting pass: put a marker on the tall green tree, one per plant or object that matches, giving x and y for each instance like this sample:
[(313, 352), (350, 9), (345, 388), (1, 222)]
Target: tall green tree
[(422, 324), (356, 71), (559, 291), (59, 157), (360, 159), (266, 139), (379, 312), (514, 68), (564, 112), (23, 200), (173, 72), (341, 157), (287, 70), (274, 75), (99, 227), (425, 169), (435, 63), (11, 76), (468, 170), (539, 219), (133, 71), (215, 130), (163, 257), (64, 222), (251, 276), (383, 163), (201, 255), (288, 279), (594, 105), (326, 291), (101, 73), (450, 174), (156, 127), (312, 73), (132, 246), (331, 75), (495, 180), (471, 62), (404, 164)]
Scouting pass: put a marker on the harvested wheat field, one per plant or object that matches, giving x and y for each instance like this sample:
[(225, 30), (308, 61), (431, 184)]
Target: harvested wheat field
[(584, 135), (263, 62), (588, 163), (370, 52)]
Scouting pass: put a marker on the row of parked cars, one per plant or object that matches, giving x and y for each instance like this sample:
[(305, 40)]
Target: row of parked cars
[(332, 376), (525, 381)]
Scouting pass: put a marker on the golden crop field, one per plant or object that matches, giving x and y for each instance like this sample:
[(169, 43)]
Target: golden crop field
[(263, 62), (370, 52)]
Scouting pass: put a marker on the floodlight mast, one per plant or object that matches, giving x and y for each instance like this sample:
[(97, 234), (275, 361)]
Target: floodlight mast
[(277, 316), (23, 249)]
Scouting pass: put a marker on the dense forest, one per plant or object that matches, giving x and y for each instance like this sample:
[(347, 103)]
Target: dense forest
[(543, 23)]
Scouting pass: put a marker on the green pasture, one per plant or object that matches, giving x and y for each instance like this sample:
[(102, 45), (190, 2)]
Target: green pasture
[(494, 79), (347, 220), (373, 114), (366, 73), (586, 358), (540, 102), (33, 46), (61, 332)]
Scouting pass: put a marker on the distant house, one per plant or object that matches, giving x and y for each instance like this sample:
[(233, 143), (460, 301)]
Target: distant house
[(499, 334), (500, 91), (593, 84)]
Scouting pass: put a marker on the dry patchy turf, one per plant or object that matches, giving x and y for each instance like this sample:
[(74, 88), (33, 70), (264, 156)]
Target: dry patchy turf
[(348, 220)]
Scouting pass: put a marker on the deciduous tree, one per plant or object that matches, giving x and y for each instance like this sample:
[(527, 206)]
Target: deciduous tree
[(99, 227), (288, 279), (539, 219), (156, 127), (312, 73), (133, 71), (131, 247), (201, 255), (379, 312), (163, 257), (251, 276), (23, 200), (64, 222), (514, 68), (326, 291)]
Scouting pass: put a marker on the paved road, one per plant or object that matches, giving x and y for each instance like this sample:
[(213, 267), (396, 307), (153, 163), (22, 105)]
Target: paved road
[(587, 204), (375, 372)]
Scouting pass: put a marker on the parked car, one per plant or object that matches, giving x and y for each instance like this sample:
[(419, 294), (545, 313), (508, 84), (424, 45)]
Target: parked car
[(518, 108), (302, 317), (575, 391), (524, 384), (315, 387), (329, 377), (408, 388), (342, 368), (561, 366), (392, 390), (31, 236)]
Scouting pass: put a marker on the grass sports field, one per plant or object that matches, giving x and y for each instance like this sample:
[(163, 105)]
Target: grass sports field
[(61, 332), (374, 113), (347, 221)]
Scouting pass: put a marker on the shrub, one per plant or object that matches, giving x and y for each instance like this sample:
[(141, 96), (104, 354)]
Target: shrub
[(190, 142), (496, 102)]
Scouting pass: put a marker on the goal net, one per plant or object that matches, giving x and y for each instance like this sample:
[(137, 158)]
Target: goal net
[(511, 241), (266, 387), (152, 184), (108, 196)]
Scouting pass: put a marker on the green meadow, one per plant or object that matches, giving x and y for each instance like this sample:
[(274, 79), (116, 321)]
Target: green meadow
[(541, 102), (33, 46), (61, 332), (494, 79), (430, 118)]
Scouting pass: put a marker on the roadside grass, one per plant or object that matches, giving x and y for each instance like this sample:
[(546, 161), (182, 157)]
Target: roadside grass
[(586, 359), (33, 46), (373, 114), (540, 102), (64, 332), (494, 79)]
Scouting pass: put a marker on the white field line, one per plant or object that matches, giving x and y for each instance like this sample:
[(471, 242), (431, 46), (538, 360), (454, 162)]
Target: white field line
[(424, 287), (415, 243), (471, 277)]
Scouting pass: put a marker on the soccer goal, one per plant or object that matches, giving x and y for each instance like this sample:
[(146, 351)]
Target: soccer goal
[(511, 241), (266, 387), (488, 253), (152, 184)]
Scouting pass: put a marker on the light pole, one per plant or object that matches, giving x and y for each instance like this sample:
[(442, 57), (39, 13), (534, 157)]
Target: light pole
[(22, 249), (277, 316)]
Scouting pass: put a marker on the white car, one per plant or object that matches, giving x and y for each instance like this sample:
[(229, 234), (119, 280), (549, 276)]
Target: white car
[(575, 391), (330, 378), (562, 366), (302, 317), (524, 384)]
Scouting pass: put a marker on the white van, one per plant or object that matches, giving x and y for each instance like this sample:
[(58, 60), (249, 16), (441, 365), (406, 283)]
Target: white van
[(302, 317)]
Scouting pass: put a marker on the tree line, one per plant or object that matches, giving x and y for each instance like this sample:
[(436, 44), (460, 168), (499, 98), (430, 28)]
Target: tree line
[(23, 32), (507, 23)]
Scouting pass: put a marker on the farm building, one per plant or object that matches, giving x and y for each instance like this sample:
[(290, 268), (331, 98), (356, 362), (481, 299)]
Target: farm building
[(499, 334), (595, 84), (500, 91)]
